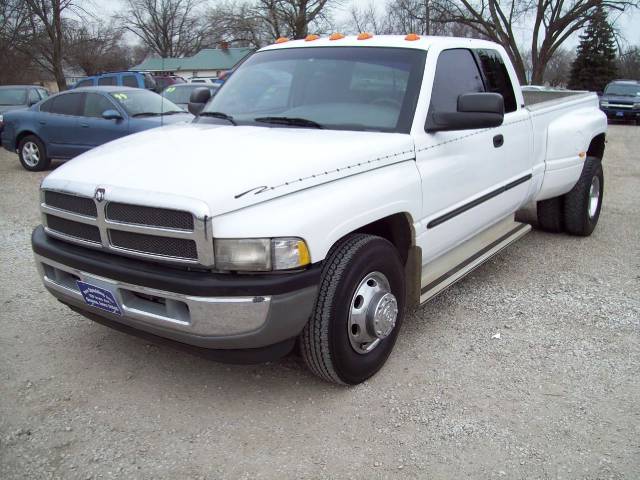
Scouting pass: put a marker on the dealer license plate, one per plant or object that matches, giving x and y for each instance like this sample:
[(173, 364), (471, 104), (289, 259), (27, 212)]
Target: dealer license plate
[(99, 298), (619, 114)]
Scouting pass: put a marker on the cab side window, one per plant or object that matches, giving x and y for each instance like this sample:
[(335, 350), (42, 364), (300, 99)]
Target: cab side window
[(65, 104), (130, 81), (456, 73), (33, 97), (95, 105), (102, 81), (85, 83), (497, 77)]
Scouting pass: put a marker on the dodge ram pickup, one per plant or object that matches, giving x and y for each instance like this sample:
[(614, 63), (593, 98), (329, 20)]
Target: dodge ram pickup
[(330, 185)]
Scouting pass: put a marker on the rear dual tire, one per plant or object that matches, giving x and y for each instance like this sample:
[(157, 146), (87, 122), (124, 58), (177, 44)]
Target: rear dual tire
[(576, 212)]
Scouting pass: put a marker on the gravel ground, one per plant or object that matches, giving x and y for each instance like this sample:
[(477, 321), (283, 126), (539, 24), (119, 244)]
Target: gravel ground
[(557, 396)]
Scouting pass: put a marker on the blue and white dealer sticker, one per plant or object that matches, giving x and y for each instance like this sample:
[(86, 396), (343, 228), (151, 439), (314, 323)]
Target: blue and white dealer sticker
[(99, 298)]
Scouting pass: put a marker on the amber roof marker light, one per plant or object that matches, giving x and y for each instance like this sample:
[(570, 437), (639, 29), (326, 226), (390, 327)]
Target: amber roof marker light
[(336, 36), (365, 36), (282, 40), (412, 37), (311, 38)]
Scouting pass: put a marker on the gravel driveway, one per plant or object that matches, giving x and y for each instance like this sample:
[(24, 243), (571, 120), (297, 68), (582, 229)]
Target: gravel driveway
[(556, 396)]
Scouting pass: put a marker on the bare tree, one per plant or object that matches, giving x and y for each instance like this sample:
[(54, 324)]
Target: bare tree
[(238, 23), (97, 48), (45, 38), (368, 19), (629, 63), (292, 18), (170, 28), (15, 65), (551, 22)]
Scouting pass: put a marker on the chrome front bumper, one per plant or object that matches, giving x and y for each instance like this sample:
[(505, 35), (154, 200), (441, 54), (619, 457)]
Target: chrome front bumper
[(210, 322)]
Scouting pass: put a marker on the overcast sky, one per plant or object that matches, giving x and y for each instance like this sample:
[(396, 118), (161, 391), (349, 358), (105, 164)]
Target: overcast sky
[(628, 24)]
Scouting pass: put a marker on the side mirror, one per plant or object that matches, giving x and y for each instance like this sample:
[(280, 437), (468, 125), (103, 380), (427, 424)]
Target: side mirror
[(111, 115), (197, 101), (475, 110), (32, 102)]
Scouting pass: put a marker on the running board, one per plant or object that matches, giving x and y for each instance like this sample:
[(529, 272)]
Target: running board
[(454, 265)]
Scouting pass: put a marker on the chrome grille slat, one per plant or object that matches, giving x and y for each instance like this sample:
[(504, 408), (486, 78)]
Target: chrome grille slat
[(71, 203), (142, 231), (149, 216), (165, 246), (73, 229)]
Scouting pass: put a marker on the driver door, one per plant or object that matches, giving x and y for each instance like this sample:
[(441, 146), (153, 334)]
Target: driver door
[(463, 172)]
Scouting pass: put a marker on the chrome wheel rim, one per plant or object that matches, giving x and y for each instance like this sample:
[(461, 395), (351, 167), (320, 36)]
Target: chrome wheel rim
[(31, 154), (372, 314), (594, 196)]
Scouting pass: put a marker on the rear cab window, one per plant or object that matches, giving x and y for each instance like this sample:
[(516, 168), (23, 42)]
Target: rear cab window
[(496, 77)]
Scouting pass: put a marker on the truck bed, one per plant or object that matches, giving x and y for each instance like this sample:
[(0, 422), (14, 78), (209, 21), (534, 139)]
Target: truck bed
[(534, 100)]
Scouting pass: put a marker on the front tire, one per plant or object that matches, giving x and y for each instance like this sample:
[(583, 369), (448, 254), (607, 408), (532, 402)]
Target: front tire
[(33, 154), (358, 312)]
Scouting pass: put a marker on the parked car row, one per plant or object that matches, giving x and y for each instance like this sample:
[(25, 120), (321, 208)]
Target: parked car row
[(72, 122), (19, 97), (621, 100)]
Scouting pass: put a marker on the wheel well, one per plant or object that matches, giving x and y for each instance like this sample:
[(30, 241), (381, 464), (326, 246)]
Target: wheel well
[(397, 228), (596, 147), (21, 135)]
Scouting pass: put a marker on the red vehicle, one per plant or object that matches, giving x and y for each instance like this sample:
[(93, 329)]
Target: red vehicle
[(163, 81)]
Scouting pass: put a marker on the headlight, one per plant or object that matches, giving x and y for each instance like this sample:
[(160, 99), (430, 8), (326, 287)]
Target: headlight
[(260, 254), (1, 119), (635, 105)]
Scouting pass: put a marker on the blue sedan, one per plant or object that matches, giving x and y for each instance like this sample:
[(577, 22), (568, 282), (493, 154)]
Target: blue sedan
[(70, 123)]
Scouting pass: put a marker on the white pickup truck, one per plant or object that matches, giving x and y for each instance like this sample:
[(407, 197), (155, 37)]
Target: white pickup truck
[(331, 184)]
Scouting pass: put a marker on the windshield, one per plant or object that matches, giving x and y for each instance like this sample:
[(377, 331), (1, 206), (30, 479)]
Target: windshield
[(348, 88), (141, 102), (622, 89), (181, 94), (13, 96)]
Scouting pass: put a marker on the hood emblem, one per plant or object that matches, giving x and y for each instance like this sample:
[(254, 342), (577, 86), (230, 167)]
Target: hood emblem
[(99, 195)]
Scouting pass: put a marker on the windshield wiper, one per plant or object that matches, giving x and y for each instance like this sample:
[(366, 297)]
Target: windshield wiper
[(146, 114), (294, 121), (173, 112), (221, 115)]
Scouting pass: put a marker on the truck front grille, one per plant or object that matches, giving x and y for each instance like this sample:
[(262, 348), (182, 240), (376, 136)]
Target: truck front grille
[(155, 217), (78, 230), (165, 246), (127, 229), (71, 203)]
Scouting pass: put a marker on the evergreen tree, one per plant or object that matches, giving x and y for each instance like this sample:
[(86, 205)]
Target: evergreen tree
[(595, 63)]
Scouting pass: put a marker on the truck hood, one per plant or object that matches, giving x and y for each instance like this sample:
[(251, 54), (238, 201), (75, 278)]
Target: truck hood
[(214, 169)]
